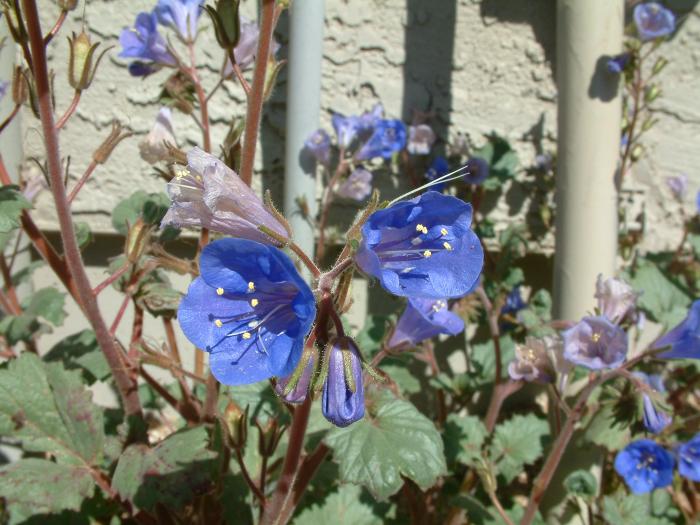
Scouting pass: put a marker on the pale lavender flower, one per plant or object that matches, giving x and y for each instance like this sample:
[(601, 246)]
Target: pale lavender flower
[(423, 319), (181, 15), (420, 139), (653, 20), (3, 88), (153, 146), (357, 186), (319, 144), (655, 420), (678, 185), (596, 343), (33, 186), (143, 42), (532, 362), (208, 194), (247, 46), (615, 298)]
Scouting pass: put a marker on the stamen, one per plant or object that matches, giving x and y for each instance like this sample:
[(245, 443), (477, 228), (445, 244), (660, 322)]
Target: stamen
[(596, 337), (421, 228), (254, 302), (219, 291), (427, 253), (218, 323), (246, 335), (447, 245), (251, 286), (443, 231), (253, 324)]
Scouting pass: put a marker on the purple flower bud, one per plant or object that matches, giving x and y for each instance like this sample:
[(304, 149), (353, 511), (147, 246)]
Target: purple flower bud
[(678, 185), (615, 298), (684, 339), (689, 459), (477, 170), (357, 186), (653, 21), (208, 194), (655, 420), (319, 145), (180, 15), (645, 466), (595, 342), (300, 390), (543, 162), (153, 147), (388, 137), (143, 42), (423, 319), (343, 399), (618, 63), (420, 139), (532, 362), (247, 46)]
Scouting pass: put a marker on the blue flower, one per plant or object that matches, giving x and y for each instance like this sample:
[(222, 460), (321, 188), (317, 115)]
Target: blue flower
[(423, 319), (653, 21), (343, 398), (388, 137), (689, 459), (595, 343), (655, 420), (514, 302), (684, 339), (422, 247), (617, 64), (181, 15), (143, 42), (319, 145), (250, 309), (437, 169), (645, 466), (477, 170)]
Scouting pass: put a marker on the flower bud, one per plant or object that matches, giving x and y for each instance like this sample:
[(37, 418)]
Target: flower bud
[(67, 5), (156, 145), (137, 240), (268, 437), (116, 135), (343, 400), (294, 388), (615, 298), (227, 23), (20, 90), (652, 93), (659, 65), (236, 423), (80, 67)]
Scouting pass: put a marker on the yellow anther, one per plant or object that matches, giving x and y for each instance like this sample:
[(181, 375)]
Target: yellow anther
[(447, 245), (246, 335), (181, 173), (251, 286), (595, 337), (419, 227), (218, 323), (443, 231), (253, 324), (427, 253), (198, 177), (219, 291), (254, 303)]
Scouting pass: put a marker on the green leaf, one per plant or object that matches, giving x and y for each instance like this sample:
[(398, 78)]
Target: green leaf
[(604, 429), (48, 303), (37, 486), (581, 483), (483, 358), (661, 300), (399, 371), (83, 234), (81, 352), (160, 299), (343, 507), (171, 473), (150, 206), (464, 436), (12, 202), (17, 328), (371, 334), (392, 440), (516, 443), (50, 410), (622, 508)]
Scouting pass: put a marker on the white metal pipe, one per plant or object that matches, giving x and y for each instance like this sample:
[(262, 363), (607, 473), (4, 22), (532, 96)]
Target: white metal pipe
[(589, 113), (303, 107)]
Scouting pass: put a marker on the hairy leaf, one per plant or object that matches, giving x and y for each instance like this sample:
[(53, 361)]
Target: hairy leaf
[(516, 443), (47, 303), (661, 300), (80, 351), (12, 202), (393, 440), (464, 436), (343, 507)]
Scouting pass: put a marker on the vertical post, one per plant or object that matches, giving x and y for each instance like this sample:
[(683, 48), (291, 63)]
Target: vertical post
[(303, 107), (589, 112)]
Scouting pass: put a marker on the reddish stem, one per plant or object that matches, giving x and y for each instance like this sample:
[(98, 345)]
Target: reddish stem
[(120, 315), (109, 280), (69, 112), (56, 27), (10, 117), (83, 179)]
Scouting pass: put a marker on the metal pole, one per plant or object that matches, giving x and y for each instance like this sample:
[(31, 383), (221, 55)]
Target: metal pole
[(589, 112), (303, 107)]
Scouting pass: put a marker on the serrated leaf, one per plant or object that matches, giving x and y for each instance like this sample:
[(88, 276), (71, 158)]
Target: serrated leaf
[(399, 372), (483, 358), (83, 234), (394, 439), (661, 299), (516, 443), (47, 303), (464, 436), (150, 206), (36, 486), (342, 507), (581, 483), (621, 508), (12, 202), (81, 352), (604, 430), (50, 410), (171, 473), (18, 328)]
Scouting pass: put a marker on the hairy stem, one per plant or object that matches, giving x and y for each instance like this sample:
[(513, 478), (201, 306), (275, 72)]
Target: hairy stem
[(126, 387)]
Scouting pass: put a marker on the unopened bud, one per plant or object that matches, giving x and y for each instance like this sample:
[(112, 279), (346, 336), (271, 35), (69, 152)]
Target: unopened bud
[(652, 93), (236, 422), (20, 91), (637, 152), (81, 70), (116, 135), (295, 388), (231, 147), (649, 123), (659, 65), (273, 69), (137, 240), (268, 437), (227, 23)]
